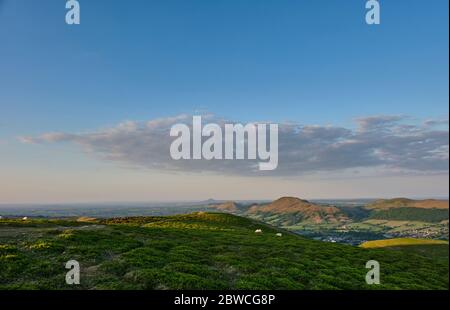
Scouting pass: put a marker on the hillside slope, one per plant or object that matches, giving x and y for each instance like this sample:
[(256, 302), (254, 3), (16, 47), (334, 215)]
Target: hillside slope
[(408, 203), (386, 218), (196, 251), (229, 206), (287, 211)]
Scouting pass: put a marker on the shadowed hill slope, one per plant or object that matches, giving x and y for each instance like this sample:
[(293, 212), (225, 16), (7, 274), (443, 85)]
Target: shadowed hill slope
[(296, 210), (408, 203)]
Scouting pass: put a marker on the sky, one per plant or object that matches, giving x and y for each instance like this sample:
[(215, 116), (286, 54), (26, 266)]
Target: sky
[(85, 109)]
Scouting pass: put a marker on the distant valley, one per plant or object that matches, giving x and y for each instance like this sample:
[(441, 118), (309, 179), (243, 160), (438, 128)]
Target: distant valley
[(353, 224)]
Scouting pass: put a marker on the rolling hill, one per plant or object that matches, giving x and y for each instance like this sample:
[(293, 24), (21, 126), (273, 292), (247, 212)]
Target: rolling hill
[(196, 251), (229, 206), (384, 218), (410, 214), (408, 203), (287, 211)]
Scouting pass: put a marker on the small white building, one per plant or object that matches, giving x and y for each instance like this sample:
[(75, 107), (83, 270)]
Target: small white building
[(25, 218), (258, 231)]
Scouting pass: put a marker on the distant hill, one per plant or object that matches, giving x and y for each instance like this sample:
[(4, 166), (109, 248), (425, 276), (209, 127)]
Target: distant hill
[(404, 209), (210, 201), (292, 210), (408, 203), (400, 217), (229, 206), (410, 214)]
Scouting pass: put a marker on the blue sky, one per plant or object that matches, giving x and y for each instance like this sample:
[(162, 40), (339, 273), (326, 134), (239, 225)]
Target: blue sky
[(311, 62), (314, 61)]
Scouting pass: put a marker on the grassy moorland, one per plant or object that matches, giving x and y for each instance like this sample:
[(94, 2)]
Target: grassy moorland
[(198, 251)]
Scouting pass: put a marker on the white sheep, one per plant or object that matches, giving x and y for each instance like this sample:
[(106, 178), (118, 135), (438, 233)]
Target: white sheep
[(279, 234), (258, 231), (25, 218)]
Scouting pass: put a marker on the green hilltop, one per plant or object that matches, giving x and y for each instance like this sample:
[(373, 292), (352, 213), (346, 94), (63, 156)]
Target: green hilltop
[(198, 251)]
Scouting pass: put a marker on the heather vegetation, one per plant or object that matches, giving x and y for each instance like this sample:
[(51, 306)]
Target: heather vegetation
[(199, 251)]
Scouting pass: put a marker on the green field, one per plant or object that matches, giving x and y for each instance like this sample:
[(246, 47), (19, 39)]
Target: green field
[(199, 251), (411, 214), (401, 242)]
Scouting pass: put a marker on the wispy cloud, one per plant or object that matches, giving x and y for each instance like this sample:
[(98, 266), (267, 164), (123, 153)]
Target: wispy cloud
[(384, 143)]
